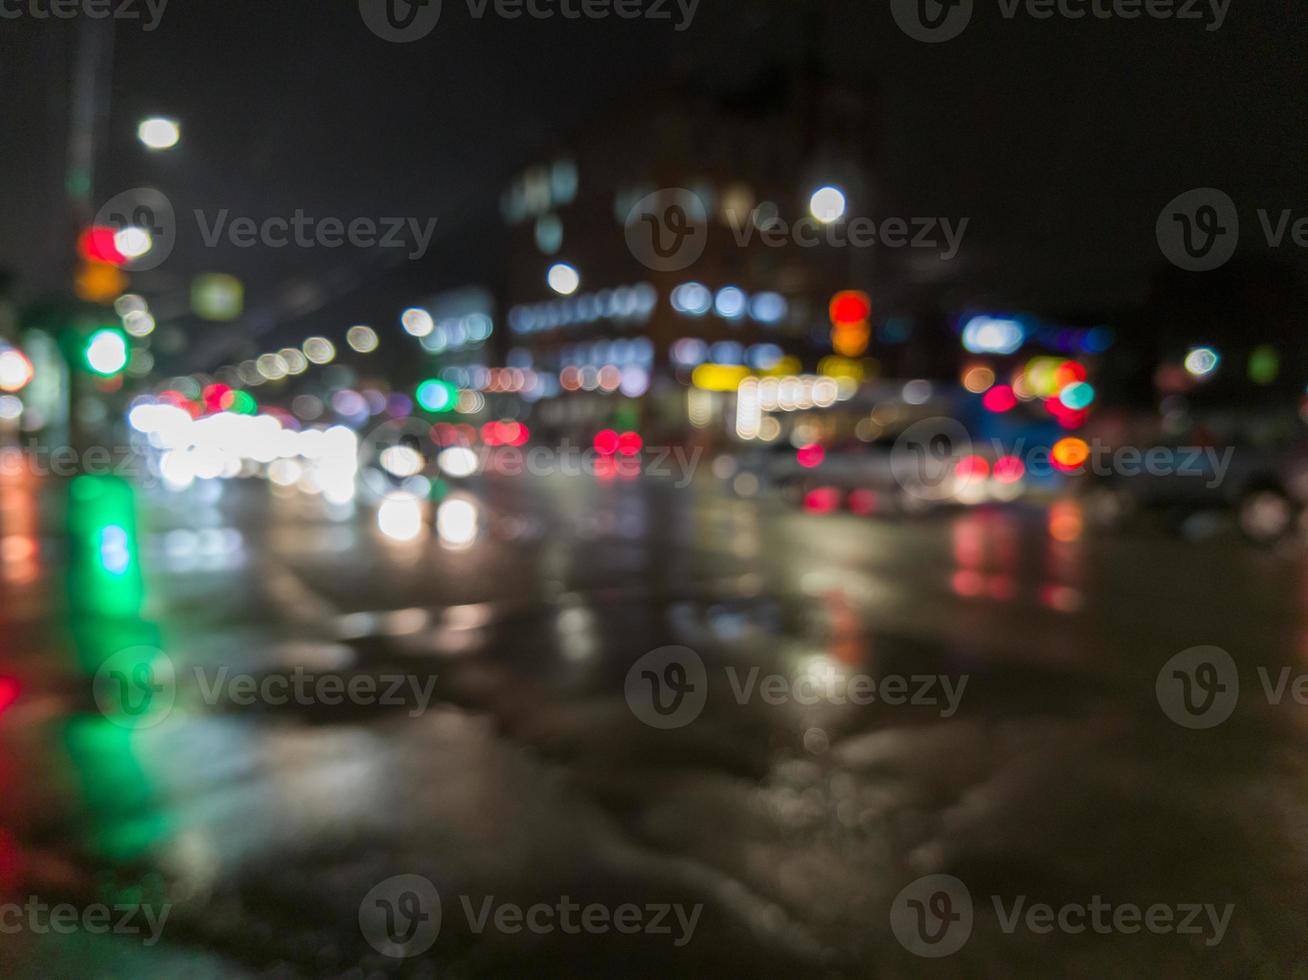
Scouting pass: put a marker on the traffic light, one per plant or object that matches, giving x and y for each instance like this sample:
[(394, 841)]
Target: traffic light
[(437, 397), (851, 331), (106, 352)]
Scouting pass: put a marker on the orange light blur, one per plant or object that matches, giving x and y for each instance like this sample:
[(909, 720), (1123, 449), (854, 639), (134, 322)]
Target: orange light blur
[(1070, 454)]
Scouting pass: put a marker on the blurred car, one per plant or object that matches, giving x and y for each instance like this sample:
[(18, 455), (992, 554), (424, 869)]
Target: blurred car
[(1263, 487), (873, 478)]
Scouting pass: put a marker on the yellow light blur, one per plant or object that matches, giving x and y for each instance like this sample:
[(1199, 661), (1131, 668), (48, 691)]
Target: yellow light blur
[(719, 377)]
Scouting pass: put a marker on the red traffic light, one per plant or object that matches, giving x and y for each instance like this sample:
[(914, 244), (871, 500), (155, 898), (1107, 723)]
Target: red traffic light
[(850, 306), (96, 244)]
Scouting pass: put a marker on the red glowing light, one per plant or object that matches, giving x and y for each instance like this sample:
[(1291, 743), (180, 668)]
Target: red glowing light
[(1000, 398), (811, 456), (218, 397), (1069, 372), (823, 500), (9, 691), (508, 433), (96, 244), (520, 436), (972, 468), (1009, 469), (630, 443), (1002, 587), (968, 583), (862, 502), (606, 443), (490, 434), (850, 306)]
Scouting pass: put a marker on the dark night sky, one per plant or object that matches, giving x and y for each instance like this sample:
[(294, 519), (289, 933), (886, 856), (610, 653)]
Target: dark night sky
[(1060, 140)]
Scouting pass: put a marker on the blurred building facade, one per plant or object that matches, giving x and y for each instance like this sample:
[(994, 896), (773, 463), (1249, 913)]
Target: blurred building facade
[(623, 347)]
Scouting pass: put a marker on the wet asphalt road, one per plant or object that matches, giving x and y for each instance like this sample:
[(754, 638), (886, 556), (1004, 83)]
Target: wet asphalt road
[(791, 823)]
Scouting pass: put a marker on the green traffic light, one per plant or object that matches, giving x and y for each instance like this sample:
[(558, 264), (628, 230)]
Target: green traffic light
[(106, 352), (437, 396)]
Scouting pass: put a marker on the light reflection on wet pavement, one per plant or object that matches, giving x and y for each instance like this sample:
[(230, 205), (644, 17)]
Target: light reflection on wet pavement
[(529, 778)]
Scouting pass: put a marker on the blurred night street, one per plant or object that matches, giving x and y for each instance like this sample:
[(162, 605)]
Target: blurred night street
[(653, 488), (1057, 776)]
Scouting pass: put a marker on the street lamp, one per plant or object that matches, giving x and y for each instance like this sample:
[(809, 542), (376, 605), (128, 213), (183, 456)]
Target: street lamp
[(564, 279), (828, 204), (159, 133)]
